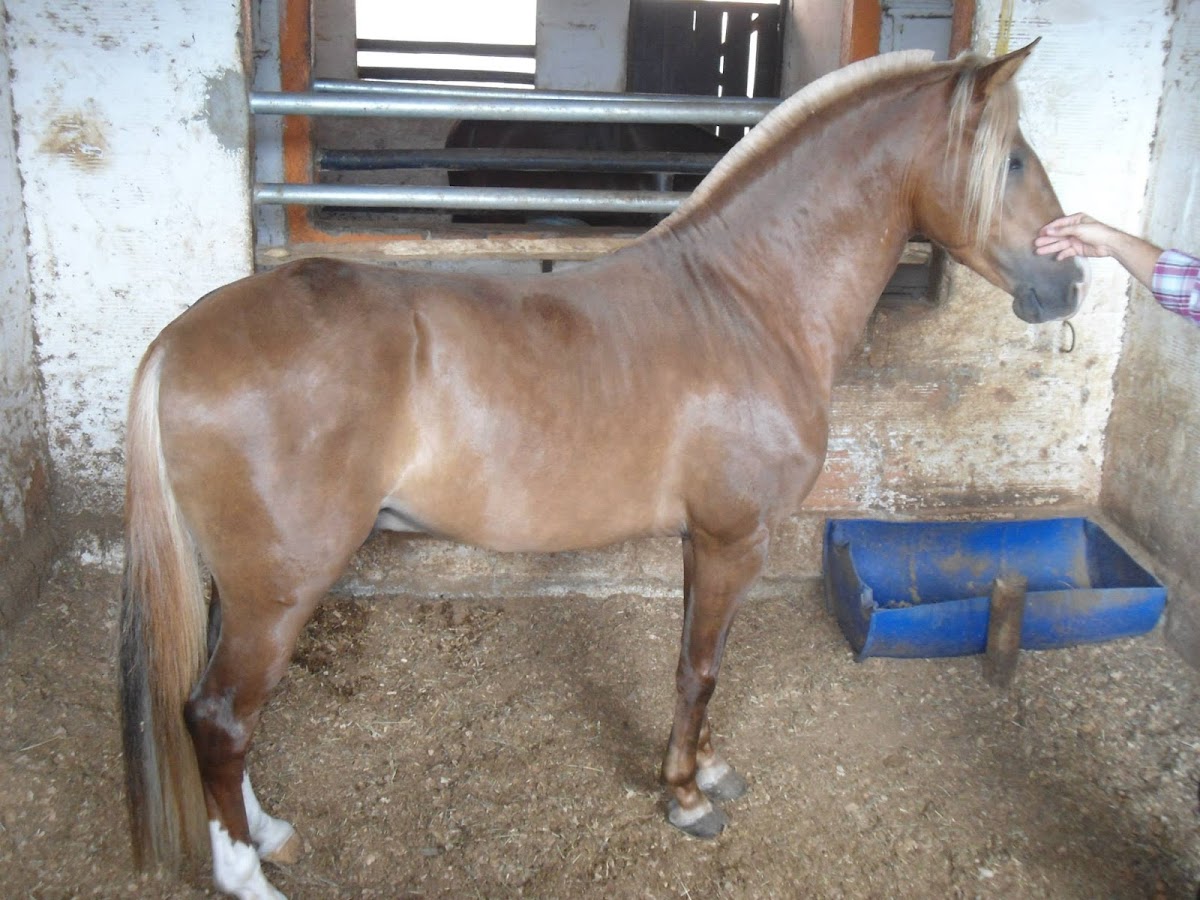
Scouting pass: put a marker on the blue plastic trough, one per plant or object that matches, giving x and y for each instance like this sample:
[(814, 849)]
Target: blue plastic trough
[(917, 589)]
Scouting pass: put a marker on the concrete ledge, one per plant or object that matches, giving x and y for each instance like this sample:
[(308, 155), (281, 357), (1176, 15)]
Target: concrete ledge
[(390, 563), (420, 567)]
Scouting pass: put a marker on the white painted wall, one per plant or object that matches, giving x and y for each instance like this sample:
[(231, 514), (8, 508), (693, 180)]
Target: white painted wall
[(1090, 103), (1173, 210), (812, 41), (22, 422), (133, 150), (581, 44)]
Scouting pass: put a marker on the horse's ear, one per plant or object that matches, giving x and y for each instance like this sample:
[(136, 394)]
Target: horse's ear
[(1000, 71)]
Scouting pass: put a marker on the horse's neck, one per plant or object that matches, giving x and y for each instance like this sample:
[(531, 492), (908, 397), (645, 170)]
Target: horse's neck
[(808, 243)]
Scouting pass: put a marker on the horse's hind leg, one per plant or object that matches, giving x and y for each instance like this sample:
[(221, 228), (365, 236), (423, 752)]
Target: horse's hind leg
[(718, 573), (275, 839), (251, 655)]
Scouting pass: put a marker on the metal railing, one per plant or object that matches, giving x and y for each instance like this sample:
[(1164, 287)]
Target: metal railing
[(521, 106), (451, 198), (332, 98), (466, 159)]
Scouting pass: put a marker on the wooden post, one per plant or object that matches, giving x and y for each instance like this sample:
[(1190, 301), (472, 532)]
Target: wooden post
[(1004, 630)]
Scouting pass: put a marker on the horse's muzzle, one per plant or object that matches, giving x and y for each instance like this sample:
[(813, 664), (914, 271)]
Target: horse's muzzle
[(1050, 298)]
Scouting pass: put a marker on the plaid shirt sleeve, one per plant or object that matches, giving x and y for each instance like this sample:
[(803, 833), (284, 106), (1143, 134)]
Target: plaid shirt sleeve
[(1176, 283)]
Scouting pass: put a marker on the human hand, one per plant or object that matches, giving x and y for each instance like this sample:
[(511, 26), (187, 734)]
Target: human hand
[(1076, 235)]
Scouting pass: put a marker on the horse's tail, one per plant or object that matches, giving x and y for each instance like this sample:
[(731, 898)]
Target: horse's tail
[(163, 644)]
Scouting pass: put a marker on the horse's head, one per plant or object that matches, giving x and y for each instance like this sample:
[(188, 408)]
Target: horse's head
[(983, 194)]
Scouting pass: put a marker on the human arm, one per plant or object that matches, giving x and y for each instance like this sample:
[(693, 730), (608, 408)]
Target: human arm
[(1081, 235), (1172, 276)]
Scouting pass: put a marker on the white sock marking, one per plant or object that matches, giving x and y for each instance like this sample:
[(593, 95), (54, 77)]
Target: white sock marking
[(267, 832)]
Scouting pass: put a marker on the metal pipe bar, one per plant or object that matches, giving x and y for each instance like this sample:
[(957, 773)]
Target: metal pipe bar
[(420, 197), (517, 108), (350, 86), (476, 159), (378, 45)]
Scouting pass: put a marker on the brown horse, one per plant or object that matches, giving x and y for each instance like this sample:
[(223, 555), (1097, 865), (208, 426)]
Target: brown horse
[(678, 387)]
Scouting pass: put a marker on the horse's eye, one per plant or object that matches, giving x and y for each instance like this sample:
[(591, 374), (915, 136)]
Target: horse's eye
[(1015, 164)]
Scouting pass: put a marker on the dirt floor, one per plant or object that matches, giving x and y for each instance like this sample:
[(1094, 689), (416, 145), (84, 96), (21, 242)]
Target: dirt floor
[(502, 749)]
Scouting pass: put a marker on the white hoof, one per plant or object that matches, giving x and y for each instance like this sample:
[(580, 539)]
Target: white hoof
[(683, 818), (236, 869), (705, 821), (720, 782)]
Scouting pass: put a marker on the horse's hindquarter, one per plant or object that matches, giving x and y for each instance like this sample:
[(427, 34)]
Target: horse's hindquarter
[(279, 409)]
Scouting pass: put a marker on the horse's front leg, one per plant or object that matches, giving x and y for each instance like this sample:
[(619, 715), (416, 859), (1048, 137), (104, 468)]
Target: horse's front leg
[(717, 575)]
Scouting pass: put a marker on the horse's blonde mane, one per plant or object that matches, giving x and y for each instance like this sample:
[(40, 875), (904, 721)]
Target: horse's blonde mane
[(987, 171), (817, 95), (993, 136)]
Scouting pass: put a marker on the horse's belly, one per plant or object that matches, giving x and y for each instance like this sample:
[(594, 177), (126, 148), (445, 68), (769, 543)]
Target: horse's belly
[(536, 515)]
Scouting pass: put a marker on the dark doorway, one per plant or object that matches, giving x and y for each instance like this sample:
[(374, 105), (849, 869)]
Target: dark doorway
[(706, 48)]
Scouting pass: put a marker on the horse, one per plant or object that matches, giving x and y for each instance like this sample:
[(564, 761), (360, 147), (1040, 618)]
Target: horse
[(594, 136), (680, 386)]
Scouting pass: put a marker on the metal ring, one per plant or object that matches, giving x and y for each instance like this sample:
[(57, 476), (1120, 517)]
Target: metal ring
[(1070, 328)]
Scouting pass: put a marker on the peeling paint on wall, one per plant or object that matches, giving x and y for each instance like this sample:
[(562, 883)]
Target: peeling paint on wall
[(226, 109), (77, 137)]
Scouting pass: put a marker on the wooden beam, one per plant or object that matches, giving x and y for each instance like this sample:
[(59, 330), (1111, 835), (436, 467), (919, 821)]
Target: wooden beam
[(861, 28), (528, 246), (295, 75), (962, 21)]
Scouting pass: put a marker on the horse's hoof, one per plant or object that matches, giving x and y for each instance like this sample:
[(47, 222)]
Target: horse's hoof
[(721, 783), (286, 854), (700, 823)]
